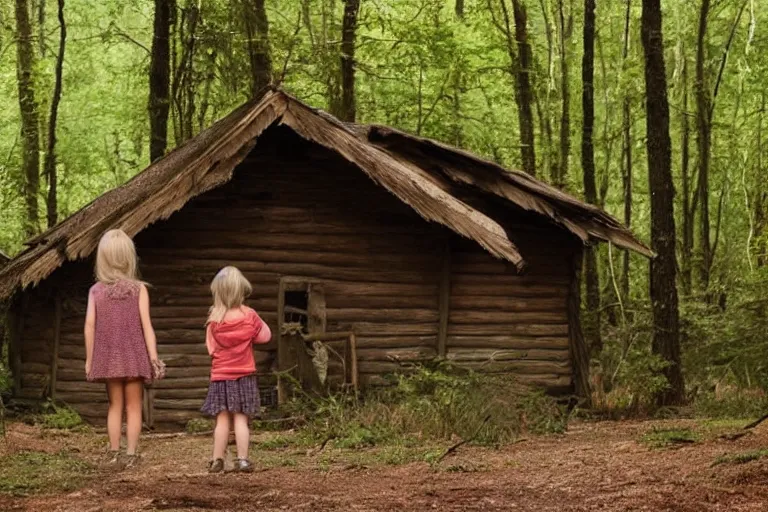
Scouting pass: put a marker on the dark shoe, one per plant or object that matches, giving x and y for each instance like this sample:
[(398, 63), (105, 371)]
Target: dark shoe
[(130, 461), (243, 466), (111, 460), (216, 466)]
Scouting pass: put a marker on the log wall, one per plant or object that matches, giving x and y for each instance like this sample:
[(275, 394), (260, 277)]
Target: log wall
[(292, 210)]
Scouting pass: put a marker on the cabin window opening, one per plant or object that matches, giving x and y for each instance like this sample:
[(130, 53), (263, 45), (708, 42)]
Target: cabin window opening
[(296, 311)]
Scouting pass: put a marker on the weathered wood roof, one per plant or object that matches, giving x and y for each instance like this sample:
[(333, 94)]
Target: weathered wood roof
[(422, 173)]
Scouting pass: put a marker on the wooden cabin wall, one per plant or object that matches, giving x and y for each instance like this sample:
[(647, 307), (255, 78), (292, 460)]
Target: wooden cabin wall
[(296, 210), (502, 321), (292, 210)]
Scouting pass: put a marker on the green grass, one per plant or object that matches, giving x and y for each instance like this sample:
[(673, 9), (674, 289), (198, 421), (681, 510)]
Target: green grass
[(29, 472), (198, 425), (740, 458), (63, 418), (659, 437)]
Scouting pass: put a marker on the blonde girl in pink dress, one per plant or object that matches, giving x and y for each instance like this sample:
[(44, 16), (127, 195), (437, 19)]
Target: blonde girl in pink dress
[(120, 344)]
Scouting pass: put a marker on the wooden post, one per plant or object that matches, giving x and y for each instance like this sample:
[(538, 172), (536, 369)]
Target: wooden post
[(282, 355), (444, 301), (56, 342), (18, 310), (353, 360), (577, 347)]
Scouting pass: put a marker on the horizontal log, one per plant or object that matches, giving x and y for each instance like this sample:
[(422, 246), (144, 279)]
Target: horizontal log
[(522, 329), (507, 280), (171, 288), (177, 349), (490, 354), (365, 329), (34, 380), (82, 397), (72, 364), (396, 341), (519, 367), (71, 375), (382, 315), (469, 289), (400, 354), (508, 342), (289, 241), (35, 368), (91, 410), (173, 373), (196, 393), (507, 303), (184, 404), (378, 302), (167, 323), (183, 383), (506, 317), (175, 417), (71, 351), (79, 386), (366, 288)]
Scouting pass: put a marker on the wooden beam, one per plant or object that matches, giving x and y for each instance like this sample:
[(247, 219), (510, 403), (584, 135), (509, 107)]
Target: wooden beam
[(56, 343), (577, 347), (444, 301), (18, 310)]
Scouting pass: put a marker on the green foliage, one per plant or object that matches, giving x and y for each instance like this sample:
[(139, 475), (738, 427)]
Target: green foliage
[(26, 472), (659, 437), (63, 418), (433, 403), (740, 458), (198, 425)]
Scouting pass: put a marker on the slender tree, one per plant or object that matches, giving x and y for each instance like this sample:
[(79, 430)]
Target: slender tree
[(50, 154), (663, 268), (459, 8), (348, 33), (260, 57), (565, 28), (591, 276), (686, 253), (626, 129), (523, 89), (159, 79), (704, 146), (30, 129)]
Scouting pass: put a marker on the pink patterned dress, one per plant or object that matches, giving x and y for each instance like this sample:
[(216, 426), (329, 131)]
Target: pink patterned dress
[(119, 349)]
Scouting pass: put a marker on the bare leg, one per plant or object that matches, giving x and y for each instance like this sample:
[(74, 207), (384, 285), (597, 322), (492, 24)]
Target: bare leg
[(134, 392), (115, 413), (241, 435), (221, 435)]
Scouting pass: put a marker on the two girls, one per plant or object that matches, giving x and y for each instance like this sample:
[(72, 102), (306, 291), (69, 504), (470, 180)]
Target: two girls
[(121, 350)]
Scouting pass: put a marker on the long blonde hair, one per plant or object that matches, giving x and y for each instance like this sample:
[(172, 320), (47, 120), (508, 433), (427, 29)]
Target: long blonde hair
[(116, 258), (229, 289)]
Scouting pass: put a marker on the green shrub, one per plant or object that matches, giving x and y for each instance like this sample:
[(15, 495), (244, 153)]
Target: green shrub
[(61, 417), (199, 425), (665, 437)]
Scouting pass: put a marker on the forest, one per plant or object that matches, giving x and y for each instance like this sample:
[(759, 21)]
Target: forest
[(655, 115)]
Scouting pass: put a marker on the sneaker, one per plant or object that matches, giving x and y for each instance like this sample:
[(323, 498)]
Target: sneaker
[(130, 461), (216, 466), (243, 466), (111, 460)]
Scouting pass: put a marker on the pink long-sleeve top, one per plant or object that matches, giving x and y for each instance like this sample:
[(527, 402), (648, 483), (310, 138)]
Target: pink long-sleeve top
[(229, 345)]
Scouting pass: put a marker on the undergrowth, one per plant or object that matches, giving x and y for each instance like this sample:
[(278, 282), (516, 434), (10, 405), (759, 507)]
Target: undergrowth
[(740, 458), (666, 437), (430, 403), (26, 472)]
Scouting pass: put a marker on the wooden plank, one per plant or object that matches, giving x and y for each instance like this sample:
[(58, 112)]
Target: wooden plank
[(183, 404), (56, 343), (367, 288), (400, 354), (396, 341), (509, 342), (444, 301), (354, 368), (473, 289), (507, 317), (508, 303), (492, 354), (519, 329), (382, 315), (384, 329)]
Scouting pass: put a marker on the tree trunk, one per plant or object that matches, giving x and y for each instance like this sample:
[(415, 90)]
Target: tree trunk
[(159, 79), (30, 129), (50, 154), (686, 254), (592, 279), (626, 124), (523, 90), (348, 33), (704, 147), (761, 196), (663, 290), (565, 27), (260, 57), (459, 9), (549, 164)]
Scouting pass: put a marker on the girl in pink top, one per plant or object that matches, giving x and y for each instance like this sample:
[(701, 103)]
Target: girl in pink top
[(120, 345), (233, 393)]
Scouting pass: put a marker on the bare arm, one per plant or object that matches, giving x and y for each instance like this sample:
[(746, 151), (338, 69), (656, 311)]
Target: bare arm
[(89, 331), (146, 323), (209, 343), (263, 334)]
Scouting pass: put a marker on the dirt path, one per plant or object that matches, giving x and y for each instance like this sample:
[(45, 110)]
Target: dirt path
[(599, 466)]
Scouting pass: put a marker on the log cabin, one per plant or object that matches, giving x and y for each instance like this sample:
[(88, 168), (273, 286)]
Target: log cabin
[(421, 250)]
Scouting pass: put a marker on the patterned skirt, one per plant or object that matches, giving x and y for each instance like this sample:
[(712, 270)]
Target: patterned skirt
[(240, 395)]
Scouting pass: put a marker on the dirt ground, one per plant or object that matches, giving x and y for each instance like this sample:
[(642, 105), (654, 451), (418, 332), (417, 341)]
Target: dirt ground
[(603, 466)]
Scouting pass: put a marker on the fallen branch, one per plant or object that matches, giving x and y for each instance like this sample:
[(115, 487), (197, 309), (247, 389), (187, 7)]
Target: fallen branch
[(757, 422), (461, 443)]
